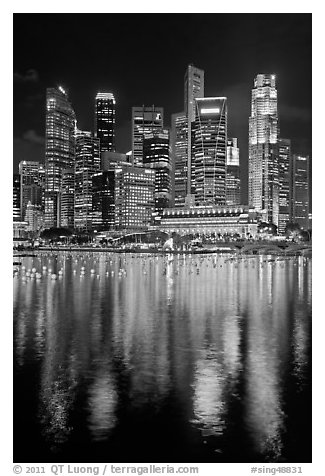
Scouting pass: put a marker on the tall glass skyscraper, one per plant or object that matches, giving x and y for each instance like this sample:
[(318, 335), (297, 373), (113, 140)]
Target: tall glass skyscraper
[(179, 156), (16, 198), (59, 150), (193, 89), (299, 175), (105, 120), (156, 155), (263, 175), (87, 163), (209, 150), (144, 120), (233, 173), (67, 198), (32, 176), (103, 205), (284, 184)]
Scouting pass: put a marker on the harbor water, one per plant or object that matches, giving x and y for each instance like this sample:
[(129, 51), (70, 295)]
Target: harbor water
[(170, 358)]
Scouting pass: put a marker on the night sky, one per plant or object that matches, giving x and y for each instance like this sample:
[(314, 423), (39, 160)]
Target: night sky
[(142, 59)]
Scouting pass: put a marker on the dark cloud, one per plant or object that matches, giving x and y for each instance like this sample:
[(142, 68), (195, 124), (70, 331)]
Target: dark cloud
[(32, 136), (27, 149), (295, 113), (30, 76)]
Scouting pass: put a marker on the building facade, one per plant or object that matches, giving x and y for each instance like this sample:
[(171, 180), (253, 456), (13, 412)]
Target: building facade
[(263, 177), (59, 150), (299, 174), (193, 89), (233, 188), (209, 220), (134, 198), (105, 109), (16, 198), (32, 184), (179, 158), (87, 163), (103, 200), (284, 184), (209, 151), (156, 155), (67, 198), (144, 121)]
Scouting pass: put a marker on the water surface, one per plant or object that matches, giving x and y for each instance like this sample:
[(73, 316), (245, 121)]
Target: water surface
[(162, 359)]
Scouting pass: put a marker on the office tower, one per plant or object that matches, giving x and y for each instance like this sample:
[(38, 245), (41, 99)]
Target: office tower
[(299, 176), (67, 198), (263, 180), (103, 202), (156, 155), (134, 197), (32, 176), (105, 120), (232, 173), (16, 198), (284, 184), (179, 158), (209, 150), (144, 120), (87, 163), (59, 150), (34, 218), (110, 160), (193, 89)]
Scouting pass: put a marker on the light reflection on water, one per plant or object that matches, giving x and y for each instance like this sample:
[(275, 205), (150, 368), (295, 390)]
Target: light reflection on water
[(209, 350)]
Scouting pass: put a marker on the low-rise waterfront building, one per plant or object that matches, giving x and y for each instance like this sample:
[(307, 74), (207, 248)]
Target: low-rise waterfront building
[(207, 220)]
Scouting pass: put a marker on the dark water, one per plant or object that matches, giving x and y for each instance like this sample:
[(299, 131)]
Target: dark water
[(182, 359)]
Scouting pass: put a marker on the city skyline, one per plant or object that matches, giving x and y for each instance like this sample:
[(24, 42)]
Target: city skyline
[(154, 78)]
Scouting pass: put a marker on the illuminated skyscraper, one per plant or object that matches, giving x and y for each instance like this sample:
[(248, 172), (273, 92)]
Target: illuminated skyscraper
[(87, 163), (156, 155), (32, 177), (67, 198), (233, 174), (16, 198), (144, 121), (105, 120), (299, 175), (59, 150), (179, 158), (103, 205), (134, 197), (263, 176), (209, 150), (193, 89), (284, 183)]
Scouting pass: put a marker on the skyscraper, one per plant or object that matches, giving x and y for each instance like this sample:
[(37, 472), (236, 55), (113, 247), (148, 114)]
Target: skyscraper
[(134, 197), (156, 155), (193, 89), (263, 177), (32, 176), (179, 158), (299, 175), (233, 173), (209, 150), (144, 121), (59, 150), (284, 184), (105, 120), (103, 204), (67, 198), (87, 163), (16, 198)]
